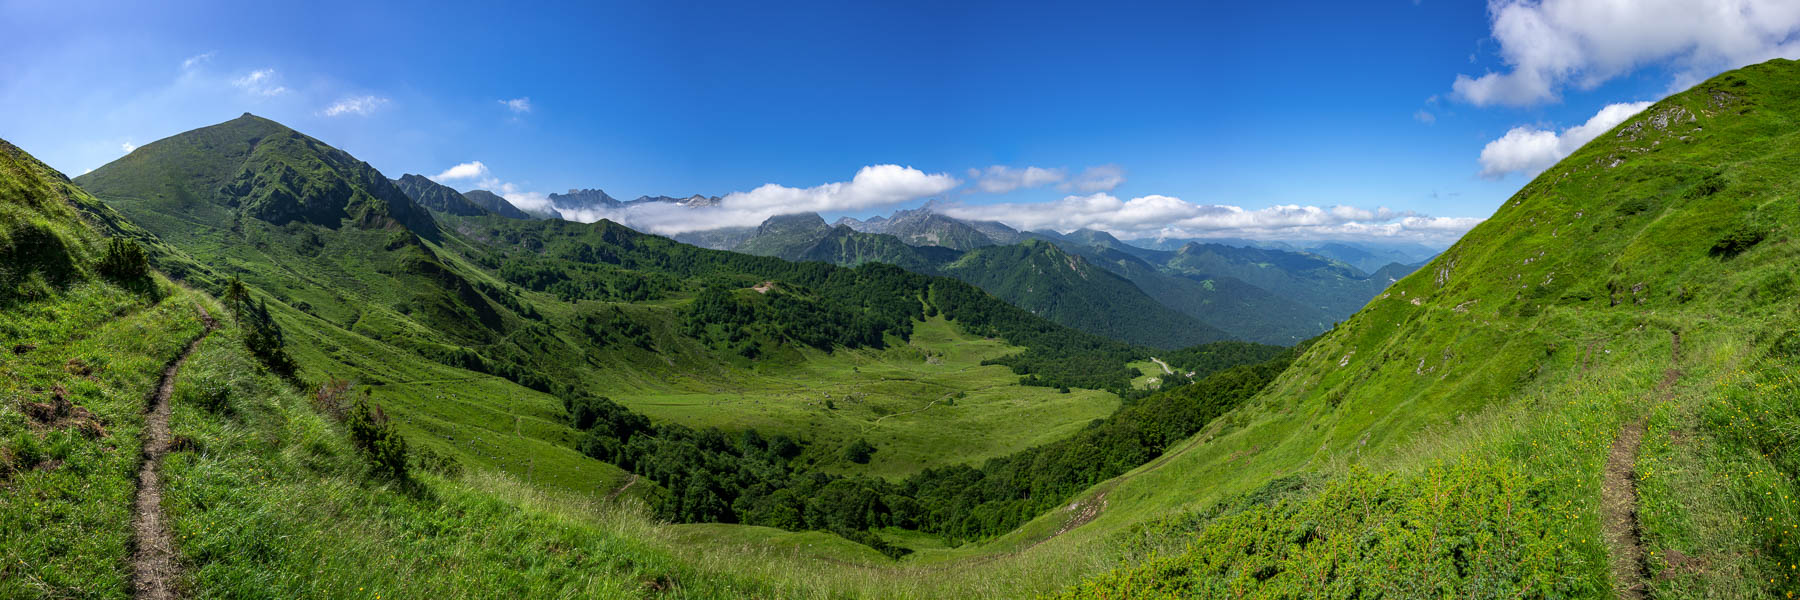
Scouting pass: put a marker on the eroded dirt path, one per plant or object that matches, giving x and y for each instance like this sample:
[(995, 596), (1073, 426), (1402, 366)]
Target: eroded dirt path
[(1618, 512), (1619, 496), (154, 566)]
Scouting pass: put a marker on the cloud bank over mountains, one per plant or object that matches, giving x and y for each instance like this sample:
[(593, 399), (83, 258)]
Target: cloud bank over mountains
[(1157, 216), (888, 186)]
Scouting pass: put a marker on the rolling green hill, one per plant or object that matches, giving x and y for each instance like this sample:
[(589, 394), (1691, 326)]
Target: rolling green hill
[(1590, 393)]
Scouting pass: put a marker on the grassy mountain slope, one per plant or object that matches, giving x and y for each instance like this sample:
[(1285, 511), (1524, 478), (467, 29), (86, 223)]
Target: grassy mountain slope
[(1067, 289), (1034, 276), (1311, 280), (1455, 436), (785, 235), (310, 224), (1241, 310), (435, 196)]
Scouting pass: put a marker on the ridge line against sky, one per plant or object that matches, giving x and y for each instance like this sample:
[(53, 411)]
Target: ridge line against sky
[(1408, 120)]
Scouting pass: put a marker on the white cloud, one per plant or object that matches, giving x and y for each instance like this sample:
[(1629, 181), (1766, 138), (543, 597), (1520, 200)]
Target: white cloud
[(260, 82), (1530, 150), (356, 105), (1169, 217), (468, 170), (1550, 44), (127, 147), (518, 105), (1000, 179), (1425, 117), (195, 60), (874, 186), (1096, 179)]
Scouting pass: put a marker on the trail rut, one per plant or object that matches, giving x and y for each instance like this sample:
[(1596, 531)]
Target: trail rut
[(1619, 496), (154, 566)]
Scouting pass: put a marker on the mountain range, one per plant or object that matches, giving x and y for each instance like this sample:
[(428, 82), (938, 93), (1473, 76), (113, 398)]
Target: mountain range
[(1197, 293)]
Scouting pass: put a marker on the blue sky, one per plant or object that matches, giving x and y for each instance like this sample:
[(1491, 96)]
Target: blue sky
[(1263, 119)]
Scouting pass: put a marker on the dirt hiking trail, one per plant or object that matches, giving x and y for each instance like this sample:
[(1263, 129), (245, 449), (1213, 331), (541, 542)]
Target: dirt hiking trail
[(154, 566), (1619, 496)]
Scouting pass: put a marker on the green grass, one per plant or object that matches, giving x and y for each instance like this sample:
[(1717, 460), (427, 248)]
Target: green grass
[(65, 521), (925, 404), (1521, 352)]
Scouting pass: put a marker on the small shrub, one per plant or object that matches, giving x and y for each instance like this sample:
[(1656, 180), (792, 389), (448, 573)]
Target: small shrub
[(1711, 184), (330, 399), (372, 433), (262, 335), (1633, 206), (1737, 241), (859, 451), (126, 265)]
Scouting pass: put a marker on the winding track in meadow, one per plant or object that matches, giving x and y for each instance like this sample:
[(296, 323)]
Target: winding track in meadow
[(154, 565)]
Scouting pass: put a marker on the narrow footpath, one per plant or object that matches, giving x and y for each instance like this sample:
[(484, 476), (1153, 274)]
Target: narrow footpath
[(154, 565)]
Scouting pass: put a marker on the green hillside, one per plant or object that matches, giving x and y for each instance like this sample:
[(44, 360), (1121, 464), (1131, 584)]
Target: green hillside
[(1035, 276), (1243, 311), (1309, 280), (1194, 295), (1590, 392), (1066, 288)]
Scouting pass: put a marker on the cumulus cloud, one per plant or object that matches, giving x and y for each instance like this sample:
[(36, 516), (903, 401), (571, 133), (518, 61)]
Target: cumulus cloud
[(1530, 150), (1103, 178), (1160, 216), (1550, 44), (1000, 179), (873, 186), (127, 147), (260, 82), (468, 170), (355, 105), (518, 105)]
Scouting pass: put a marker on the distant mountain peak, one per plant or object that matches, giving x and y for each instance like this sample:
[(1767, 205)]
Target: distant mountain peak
[(436, 196), (267, 171)]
